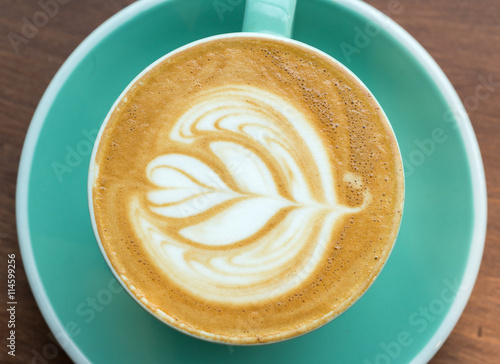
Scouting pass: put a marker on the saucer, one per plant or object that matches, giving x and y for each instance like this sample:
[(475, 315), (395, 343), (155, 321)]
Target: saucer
[(407, 313)]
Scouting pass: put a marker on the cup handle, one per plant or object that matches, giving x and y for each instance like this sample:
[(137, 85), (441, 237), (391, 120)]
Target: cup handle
[(269, 16)]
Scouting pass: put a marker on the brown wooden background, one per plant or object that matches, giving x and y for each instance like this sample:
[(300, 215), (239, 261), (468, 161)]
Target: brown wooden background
[(463, 36)]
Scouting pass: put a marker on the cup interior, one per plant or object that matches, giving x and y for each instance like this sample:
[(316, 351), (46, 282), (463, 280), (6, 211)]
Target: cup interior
[(93, 168)]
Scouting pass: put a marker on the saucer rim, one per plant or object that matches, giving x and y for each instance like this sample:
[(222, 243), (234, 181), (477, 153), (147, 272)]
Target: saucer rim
[(401, 36)]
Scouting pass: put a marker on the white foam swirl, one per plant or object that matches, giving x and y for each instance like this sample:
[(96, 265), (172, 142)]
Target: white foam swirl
[(252, 219)]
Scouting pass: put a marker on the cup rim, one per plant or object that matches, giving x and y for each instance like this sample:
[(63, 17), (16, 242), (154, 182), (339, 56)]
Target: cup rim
[(93, 173)]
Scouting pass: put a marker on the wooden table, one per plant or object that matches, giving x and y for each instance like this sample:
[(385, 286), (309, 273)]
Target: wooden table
[(463, 36)]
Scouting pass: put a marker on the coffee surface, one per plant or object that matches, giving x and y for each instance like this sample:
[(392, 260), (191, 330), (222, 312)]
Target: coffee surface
[(247, 190)]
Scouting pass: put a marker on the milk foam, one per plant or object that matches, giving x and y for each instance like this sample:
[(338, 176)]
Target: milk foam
[(253, 225)]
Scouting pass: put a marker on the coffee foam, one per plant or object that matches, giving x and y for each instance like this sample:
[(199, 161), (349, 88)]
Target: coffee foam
[(250, 180), (237, 240)]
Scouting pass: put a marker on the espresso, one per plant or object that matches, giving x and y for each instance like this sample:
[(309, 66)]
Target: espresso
[(248, 190)]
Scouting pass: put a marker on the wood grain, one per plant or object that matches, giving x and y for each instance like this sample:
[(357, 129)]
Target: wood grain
[(462, 36)]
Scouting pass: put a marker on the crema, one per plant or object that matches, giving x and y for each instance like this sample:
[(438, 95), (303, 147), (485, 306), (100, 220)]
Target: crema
[(248, 189)]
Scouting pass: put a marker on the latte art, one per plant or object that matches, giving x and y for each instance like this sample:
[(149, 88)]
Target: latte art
[(246, 189), (259, 228)]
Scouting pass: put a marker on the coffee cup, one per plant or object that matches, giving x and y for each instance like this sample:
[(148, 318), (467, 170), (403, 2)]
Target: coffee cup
[(246, 188)]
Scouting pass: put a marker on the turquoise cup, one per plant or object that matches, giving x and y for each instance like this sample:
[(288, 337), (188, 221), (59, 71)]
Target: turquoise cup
[(266, 19)]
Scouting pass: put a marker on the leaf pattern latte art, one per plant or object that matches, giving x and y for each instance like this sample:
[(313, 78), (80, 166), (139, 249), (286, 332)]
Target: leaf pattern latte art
[(250, 216)]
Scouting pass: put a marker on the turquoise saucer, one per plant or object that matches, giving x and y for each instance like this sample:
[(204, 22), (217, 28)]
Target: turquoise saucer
[(404, 317)]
